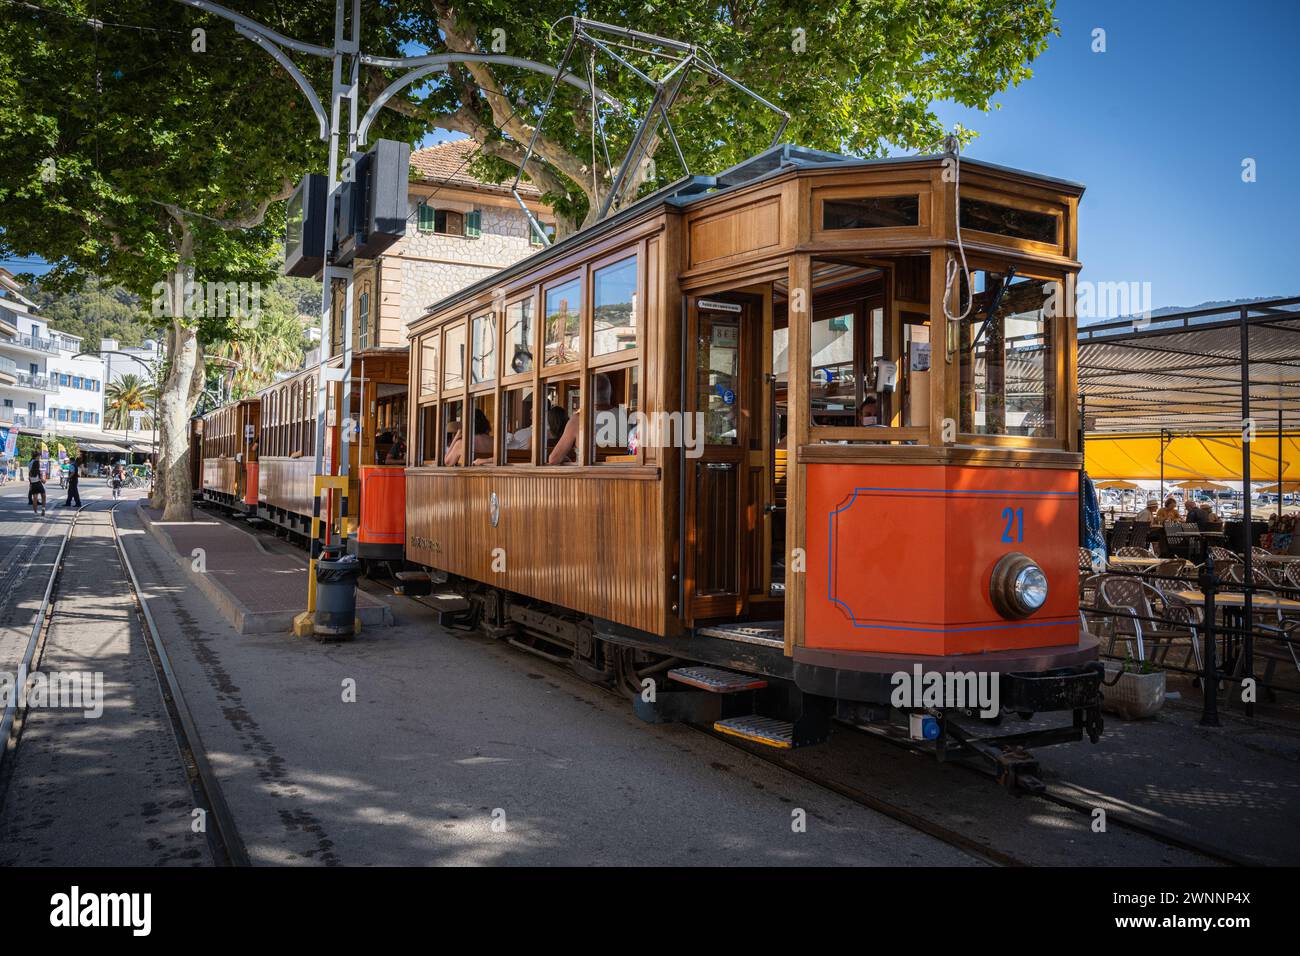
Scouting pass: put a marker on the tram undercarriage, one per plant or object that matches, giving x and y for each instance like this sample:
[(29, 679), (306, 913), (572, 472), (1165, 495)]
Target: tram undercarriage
[(746, 686)]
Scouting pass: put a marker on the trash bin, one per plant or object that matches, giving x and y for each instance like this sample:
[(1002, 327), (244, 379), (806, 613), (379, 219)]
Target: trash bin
[(336, 594)]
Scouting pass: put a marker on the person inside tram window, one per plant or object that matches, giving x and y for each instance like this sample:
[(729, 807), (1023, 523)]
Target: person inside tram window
[(557, 420), (522, 439), (482, 442), (397, 453), (564, 448), (869, 411)]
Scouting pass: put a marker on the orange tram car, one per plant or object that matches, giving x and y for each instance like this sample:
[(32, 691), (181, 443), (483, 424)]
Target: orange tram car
[(742, 450), (258, 454)]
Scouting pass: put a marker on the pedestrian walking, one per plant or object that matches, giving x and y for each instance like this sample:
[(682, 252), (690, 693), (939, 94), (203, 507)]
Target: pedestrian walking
[(35, 485), (74, 493)]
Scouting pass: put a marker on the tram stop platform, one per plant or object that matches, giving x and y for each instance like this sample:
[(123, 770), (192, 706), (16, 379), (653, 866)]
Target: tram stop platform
[(256, 590)]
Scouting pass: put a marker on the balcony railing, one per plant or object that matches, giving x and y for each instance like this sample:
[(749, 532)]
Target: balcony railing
[(22, 419), (42, 383), (33, 342)]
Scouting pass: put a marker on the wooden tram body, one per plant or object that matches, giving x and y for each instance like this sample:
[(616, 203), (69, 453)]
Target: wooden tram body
[(377, 414), (755, 516), (229, 441)]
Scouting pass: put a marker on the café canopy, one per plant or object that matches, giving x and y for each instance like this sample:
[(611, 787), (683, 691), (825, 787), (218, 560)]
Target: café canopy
[(1163, 398)]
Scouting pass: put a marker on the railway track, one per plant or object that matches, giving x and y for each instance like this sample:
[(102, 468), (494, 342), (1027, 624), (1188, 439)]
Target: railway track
[(224, 842), (1058, 794)]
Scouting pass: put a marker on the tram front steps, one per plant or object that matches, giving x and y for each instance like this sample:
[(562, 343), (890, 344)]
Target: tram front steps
[(771, 713)]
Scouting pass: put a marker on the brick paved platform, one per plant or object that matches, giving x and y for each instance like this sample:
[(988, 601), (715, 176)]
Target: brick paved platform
[(256, 590)]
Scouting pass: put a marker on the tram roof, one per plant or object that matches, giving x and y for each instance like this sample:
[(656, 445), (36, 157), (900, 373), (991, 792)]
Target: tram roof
[(1183, 371), (683, 192)]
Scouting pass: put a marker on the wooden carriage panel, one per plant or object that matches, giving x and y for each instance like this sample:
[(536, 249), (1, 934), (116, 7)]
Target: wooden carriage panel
[(589, 542), (220, 476), (285, 483), (746, 229)]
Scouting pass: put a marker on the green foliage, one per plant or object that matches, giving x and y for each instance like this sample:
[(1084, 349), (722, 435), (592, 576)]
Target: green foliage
[(98, 310), (30, 446), (865, 79), (274, 342), (133, 121)]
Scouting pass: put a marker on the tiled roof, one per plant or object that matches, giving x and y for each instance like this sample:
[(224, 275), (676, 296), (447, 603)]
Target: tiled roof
[(448, 163)]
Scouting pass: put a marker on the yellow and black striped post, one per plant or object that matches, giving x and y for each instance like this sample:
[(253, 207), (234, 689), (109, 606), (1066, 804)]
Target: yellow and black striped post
[(320, 537)]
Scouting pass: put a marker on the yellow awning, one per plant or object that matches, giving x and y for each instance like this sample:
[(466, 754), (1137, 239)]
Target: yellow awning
[(1212, 455)]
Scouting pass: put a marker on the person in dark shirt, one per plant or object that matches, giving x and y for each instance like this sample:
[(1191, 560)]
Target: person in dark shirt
[(1196, 516), (74, 474)]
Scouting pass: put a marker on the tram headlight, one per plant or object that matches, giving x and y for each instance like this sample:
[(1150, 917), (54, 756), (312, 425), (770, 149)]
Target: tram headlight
[(1018, 586)]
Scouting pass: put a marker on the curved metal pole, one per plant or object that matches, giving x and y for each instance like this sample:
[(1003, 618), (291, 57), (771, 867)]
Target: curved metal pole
[(294, 72), (240, 20), (425, 65)]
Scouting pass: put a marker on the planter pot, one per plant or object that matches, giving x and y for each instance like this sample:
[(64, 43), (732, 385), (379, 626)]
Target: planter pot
[(1134, 696)]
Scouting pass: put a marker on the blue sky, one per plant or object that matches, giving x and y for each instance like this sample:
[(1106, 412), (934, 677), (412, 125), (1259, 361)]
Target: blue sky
[(1157, 128)]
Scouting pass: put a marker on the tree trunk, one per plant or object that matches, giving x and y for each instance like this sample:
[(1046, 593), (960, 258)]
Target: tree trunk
[(175, 402)]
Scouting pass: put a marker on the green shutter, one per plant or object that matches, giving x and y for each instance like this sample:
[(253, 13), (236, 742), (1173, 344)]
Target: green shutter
[(426, 218), (473, 224)]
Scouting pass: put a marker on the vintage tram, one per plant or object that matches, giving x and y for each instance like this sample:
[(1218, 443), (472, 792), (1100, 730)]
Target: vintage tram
[(258, 454), (761, 444), (228, 438), (375, 430)]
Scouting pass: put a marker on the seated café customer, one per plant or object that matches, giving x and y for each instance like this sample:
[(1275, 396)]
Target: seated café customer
[(1196, 516), (1168, 513), (1147, 515)]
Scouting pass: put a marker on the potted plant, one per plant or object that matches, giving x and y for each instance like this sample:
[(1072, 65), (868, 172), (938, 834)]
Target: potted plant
[(1133, 689)]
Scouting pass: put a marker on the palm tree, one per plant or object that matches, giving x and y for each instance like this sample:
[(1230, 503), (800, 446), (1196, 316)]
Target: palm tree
[(125, 395), (263, 348)]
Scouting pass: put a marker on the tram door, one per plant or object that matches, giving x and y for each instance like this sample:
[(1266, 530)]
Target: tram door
[(721, 494)]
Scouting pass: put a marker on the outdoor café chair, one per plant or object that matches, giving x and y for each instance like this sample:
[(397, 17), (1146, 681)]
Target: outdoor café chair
[(1133, 551), (1134, 606)]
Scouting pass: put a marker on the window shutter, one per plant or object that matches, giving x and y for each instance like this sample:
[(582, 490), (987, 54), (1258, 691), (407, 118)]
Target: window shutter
[(474, 224), (426, 217)]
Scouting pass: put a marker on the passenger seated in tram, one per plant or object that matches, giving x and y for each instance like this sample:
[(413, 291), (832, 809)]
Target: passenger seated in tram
[(869, 411), (397, 453), (522, 439), (482, 442), (604, 391)]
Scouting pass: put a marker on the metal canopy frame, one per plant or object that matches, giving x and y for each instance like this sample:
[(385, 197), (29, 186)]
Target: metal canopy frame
[(595, 36)]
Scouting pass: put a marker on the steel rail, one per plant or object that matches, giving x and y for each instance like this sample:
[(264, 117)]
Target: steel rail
[(223, 836), (10, 724)]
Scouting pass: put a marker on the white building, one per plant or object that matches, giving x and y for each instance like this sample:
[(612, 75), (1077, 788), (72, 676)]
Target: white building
[(44, 389)]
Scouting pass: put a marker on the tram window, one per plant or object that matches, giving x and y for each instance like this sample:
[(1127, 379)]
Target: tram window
[(614, 307), (483, 349), (870, 212), (561, 406), (484, 446), (563, 319), (429, 365), (1008, 360), (1008, 221), (717, 381), (453, 357), (452, 415), (834, 389), (521, 337), (517, 418), (429, 434), (616, 432)]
